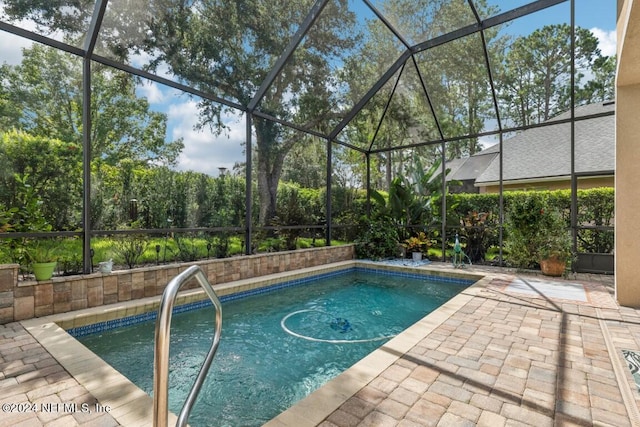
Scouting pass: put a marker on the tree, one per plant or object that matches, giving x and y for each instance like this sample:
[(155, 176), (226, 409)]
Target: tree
[(602, 87), (455, 74), (535, 82), (454, 77), (227, 48), (307, 163), (45, 92), (70, 16), (52, 170), (9, 112)]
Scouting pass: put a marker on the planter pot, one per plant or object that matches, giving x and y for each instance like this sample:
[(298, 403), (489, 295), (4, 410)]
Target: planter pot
[(105, 266), (43, 270), (552, 267), (417, 256)]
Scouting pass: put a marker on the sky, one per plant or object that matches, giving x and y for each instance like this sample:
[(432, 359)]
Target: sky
[(206, 152)]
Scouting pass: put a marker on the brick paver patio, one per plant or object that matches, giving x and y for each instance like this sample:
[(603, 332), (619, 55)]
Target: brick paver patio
[(503, 359), (36, 391), (507, 359)]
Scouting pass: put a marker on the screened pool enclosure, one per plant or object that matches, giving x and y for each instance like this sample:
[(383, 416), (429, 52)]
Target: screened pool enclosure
[(174, 117)]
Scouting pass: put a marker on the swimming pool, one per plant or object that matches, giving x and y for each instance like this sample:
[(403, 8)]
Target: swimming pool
[(320, 329)]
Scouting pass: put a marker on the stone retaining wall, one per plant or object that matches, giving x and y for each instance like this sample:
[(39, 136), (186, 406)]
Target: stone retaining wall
[(21, 300)]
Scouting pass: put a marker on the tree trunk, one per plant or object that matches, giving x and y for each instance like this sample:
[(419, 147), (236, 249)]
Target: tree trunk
[(268, 179), (270, 162)]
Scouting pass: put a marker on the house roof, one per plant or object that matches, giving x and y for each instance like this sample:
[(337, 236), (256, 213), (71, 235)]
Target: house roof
[(545, 152), (452, 166), (471, 167)]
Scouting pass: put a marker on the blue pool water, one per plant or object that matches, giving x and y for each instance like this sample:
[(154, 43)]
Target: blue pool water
[(276, 347)]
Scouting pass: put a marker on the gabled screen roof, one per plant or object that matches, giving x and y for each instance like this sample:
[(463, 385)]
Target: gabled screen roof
[(350, 71)]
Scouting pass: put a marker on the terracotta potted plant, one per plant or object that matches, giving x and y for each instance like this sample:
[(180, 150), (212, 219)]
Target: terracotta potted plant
[(554, 245)]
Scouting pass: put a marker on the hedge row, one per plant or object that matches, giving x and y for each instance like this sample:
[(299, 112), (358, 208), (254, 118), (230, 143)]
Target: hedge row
[(595, 206), (595, 212)]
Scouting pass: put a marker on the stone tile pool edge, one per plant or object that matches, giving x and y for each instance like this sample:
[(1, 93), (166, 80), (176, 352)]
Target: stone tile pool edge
[(131, 406)]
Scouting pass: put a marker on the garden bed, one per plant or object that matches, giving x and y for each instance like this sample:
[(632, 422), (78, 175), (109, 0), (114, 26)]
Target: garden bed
[(20, 300)]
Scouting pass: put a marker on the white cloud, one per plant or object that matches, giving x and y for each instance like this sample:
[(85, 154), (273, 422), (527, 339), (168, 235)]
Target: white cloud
[(203, 151), (607, 41), (11, 48), (11, 45), (151, 91), (142, 59)]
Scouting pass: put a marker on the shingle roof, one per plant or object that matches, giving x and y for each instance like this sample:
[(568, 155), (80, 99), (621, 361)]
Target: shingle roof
[(545, 152), (471, 167), (452, 166)]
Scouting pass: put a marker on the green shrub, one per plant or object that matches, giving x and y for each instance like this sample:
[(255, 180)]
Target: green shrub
[(521, 223), (189, 248), (70, 264), (272, 244), (596, 207), (129, 248), (536, 229), (379, 240), (221, 244), (479, 233)]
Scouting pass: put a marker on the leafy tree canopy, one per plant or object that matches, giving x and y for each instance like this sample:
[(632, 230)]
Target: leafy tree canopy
[(49, 169), (535, 80), (44, 93)]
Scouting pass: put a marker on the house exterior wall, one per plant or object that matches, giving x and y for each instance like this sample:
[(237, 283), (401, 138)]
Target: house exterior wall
[(565, 184), (627, 234)]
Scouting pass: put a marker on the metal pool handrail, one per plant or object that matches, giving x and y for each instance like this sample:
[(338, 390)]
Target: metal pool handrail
[(161, 354)]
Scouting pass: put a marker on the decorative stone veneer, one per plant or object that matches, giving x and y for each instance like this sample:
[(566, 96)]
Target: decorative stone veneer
[(26, 300)]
